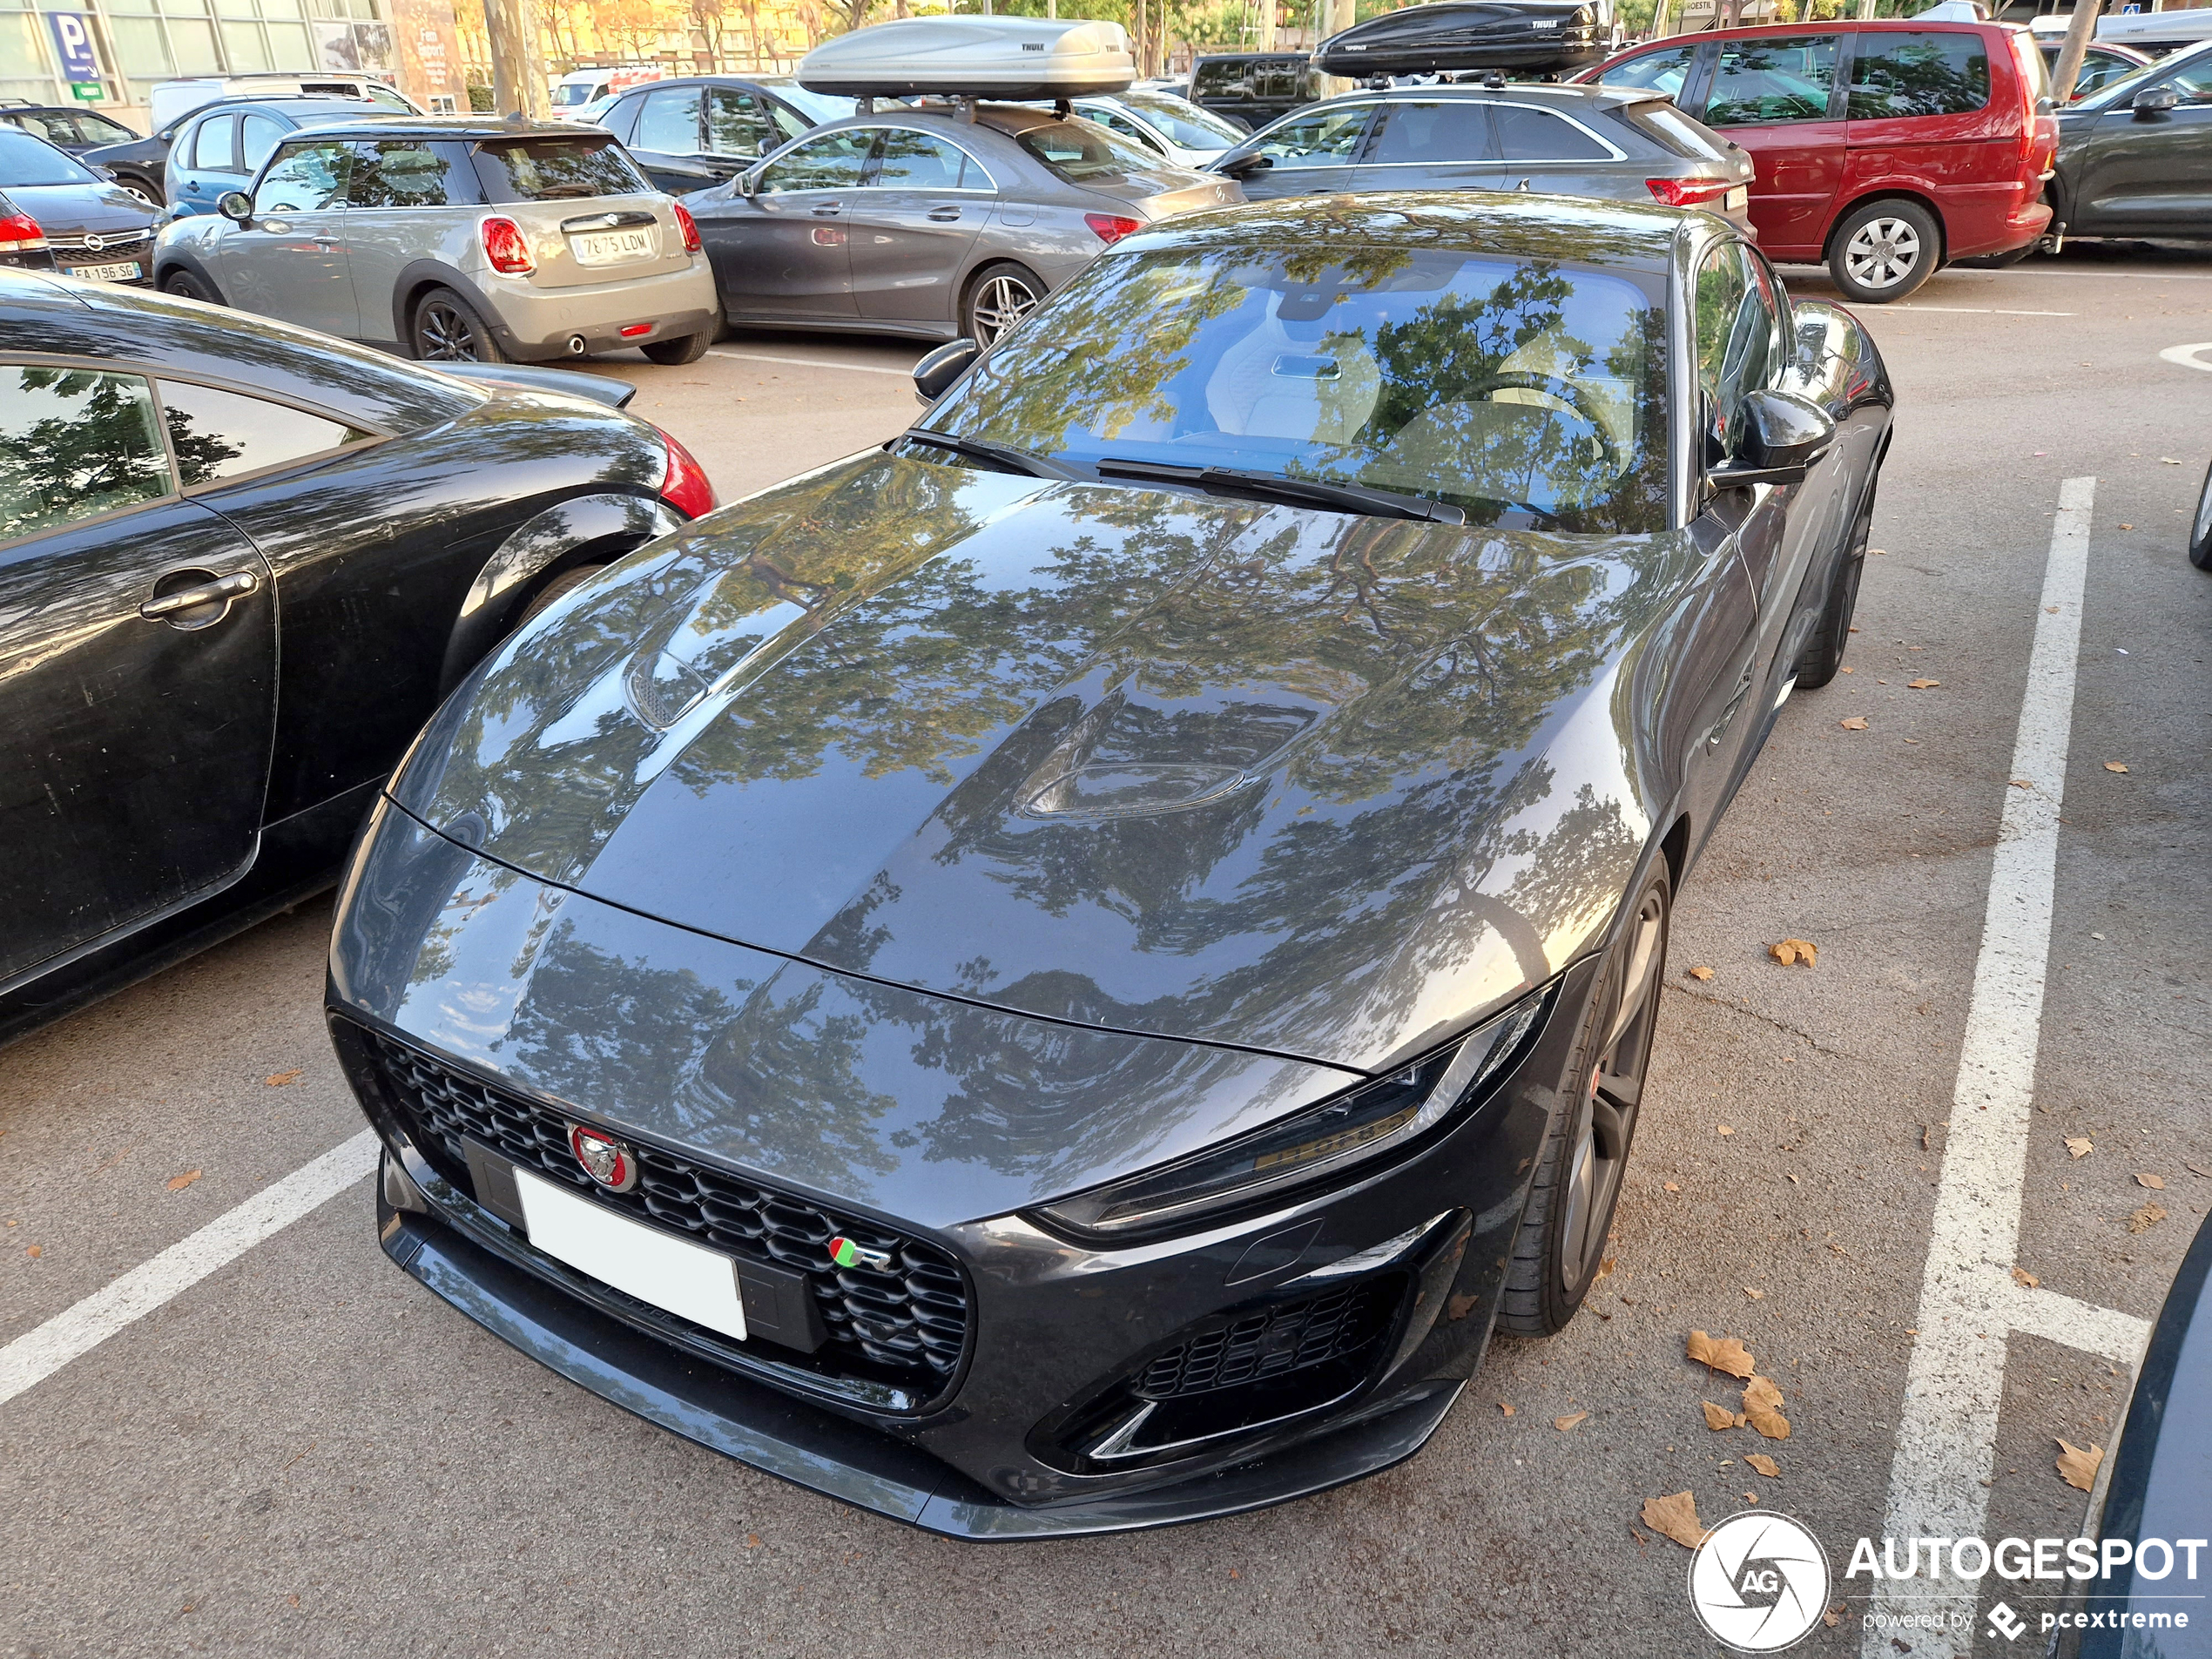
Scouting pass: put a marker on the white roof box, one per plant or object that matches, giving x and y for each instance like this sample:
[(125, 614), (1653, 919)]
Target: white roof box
[(1002, 57)]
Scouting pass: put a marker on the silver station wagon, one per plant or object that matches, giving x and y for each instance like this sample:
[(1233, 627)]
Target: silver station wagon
[(455, 239)]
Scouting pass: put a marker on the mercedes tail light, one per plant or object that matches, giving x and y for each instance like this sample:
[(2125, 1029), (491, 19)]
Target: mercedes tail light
[(1687, 193), (507, 248), (1111, 227), (21, 234), (689, 226), (684, 486)]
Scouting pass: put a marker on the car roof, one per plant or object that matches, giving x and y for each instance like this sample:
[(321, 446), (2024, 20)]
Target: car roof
[(308, 103), (1007, 119), (454, 126), (766, 85), (1580, 95)]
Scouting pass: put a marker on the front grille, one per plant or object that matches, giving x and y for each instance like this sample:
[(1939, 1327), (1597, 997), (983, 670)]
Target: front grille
[(111, 242), (1268, 1342), (907, 1323)]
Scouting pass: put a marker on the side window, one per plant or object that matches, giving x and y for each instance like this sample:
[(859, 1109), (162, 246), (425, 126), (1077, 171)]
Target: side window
[(621, 117), (831, 162), (737, 127), (1737, 339), (74, 443), (1539, 135), (304, 179), (1115, 121), (1326, 139), (214, 146), (260, 137), (1895, 75), (1457, 130), (219, 434), (788, 126), (909, 160), (1759, 82), (669, 121), (404, 172), (2193, 82), (1662, 71)]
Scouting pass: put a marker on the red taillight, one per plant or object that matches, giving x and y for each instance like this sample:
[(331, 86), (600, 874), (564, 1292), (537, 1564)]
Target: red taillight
[(636, 329), (689, 226), (21, 234), (1687, 193), (507, 248), (1111, 227), (685, 486)]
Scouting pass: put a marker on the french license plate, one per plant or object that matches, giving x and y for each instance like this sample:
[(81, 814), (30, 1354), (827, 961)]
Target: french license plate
[(1737, 198), (123, 271), (615, 248), (671, 1273)]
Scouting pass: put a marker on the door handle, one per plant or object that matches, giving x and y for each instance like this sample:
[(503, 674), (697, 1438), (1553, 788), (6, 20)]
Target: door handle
[(944, 215), (176, 606), (828, 210)]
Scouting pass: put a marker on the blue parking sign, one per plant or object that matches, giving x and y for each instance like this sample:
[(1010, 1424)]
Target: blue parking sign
[(73, 42)]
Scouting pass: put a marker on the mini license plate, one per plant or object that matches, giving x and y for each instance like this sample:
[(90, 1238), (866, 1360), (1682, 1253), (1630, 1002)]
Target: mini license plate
[(615, 248), (671, 1273), (1736, 198), (123, 271)]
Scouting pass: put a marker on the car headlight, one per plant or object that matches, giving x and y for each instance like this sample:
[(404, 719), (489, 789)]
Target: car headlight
[(1351, 1127)]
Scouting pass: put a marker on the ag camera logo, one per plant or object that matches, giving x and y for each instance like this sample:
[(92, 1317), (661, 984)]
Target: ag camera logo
[(1759, 1581)]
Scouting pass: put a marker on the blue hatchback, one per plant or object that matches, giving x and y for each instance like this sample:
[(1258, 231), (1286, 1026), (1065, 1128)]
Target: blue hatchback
[(222, 147)]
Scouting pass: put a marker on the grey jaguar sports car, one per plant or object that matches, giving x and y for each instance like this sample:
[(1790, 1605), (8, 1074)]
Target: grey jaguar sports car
[(1067, 972)]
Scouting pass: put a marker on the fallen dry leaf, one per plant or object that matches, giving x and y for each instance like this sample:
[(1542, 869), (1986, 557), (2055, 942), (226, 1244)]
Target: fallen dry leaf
[(1757, 1296), (1921, 685), (1847, 667), (1700, 973), (2157, 1183), (1794, 950), (2077, 1467), (277, 1080), (1832, 1617), (2115, 766), (33, 1252), (1716, 1419), (1857, 723), (1605, 1268), (1761, 1398), (2126, 527), (2198, 1169), (1671, 1187), (1571, 1420), (1761, 1391), (1724, 1129), (1676, 1517), (179, 1183), (1728, 1355), (2024, 1278), (1506, 1409), (1765, 1465), (2167, 460), (2078, 1146), (2146, 1218)]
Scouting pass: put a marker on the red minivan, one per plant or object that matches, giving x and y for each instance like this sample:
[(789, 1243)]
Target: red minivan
[(1885, 149)]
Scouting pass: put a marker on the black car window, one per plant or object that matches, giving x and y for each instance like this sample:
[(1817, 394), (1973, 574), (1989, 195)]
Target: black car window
[(737, 125), (399, 172), (214, 145), (1900, 75), (1737, 339), (831, 162), (74, 443), (98, 129), (1320, 139), (219, 434), (1526, 134), (305, 178), (1663, 71), (258, 136), (1759, 82), (1450, 129), (559, 169), (909, 160), (1219, 80), (669, 121), (25, 160)]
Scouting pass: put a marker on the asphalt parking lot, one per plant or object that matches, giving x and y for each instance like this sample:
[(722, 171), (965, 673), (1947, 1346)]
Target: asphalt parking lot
[(304, 1452)]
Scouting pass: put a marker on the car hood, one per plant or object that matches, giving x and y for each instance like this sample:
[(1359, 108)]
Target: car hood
[(1321, 785), (75, 210)]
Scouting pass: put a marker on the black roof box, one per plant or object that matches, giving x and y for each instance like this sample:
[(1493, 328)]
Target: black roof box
[(1459, 34)]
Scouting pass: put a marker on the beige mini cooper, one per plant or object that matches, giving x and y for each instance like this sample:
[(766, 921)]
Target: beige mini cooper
[(455, 239)]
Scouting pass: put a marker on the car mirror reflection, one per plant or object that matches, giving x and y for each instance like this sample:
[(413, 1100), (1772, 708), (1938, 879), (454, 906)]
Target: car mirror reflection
[(934, 374), (1782, 436), (235, 205), (2155, 100)]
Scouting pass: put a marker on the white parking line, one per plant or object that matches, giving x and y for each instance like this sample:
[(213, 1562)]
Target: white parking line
[(1980, 311), (810, 363), (1969, 1302), (2190, 357), (38, 1354)]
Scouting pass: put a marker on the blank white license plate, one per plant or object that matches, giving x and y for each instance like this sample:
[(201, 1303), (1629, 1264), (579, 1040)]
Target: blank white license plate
[(615, 248), (1737, 197), (671, 1273), (124, 270)]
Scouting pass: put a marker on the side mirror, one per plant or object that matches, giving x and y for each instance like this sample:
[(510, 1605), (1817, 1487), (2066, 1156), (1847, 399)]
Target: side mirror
[(235, 205), (105, 172), (1779, 438), (934, 373), (2154, 100), (748, 182), (1246, 166)]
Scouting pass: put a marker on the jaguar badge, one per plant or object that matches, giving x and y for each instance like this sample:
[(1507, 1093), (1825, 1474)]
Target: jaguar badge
[(606, 1160)]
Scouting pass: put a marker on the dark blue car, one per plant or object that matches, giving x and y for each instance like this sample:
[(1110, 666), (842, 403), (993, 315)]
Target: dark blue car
[(218, 149)]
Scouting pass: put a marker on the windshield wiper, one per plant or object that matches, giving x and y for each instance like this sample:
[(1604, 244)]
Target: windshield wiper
[(1001, 457), (1271, 486)]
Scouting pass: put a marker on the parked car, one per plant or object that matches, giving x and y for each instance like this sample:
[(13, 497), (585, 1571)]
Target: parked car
[(169, 99), (70, 131), (2100, 65), (57, 214), (1625, 143), (1886, 149), (216, 646), (455, 238), (703, 129), (1167, 125), (1255, 88), (139, 165), (592, 90), (1451, 36), (1202, 813), (217, 149), (919, 222), (2135, 159)]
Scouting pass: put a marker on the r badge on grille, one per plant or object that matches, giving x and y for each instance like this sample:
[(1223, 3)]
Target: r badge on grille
[(845, 1253), (606, 1160)]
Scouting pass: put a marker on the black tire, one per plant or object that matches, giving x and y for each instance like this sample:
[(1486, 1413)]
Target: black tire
[(996, 301), (567, 582), (1823, 651), (1885, 250), (445, 328), (684, 348), (186, 286), (2201, 527), (1561, 1243)]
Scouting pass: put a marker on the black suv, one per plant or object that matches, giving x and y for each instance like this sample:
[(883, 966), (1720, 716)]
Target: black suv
[(1255, 87)]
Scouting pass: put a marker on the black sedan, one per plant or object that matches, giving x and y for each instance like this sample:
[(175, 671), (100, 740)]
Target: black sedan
[(1067, 974), (240, 564), (56, 213), (2135, 158), (690, 134), (72, 131)]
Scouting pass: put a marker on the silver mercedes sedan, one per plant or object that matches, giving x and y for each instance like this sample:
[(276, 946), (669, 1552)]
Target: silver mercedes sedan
[(933, 219)]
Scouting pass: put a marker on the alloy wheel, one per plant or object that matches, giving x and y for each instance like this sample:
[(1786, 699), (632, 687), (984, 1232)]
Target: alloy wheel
[(444, 335), (1000, 303), (1882, 253), (1607, 1118)]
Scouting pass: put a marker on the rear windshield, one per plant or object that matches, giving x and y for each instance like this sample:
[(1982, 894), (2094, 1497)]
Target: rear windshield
[(1186, 123), (556, 169), (1676, 131), (26, 161), (1084, 153)]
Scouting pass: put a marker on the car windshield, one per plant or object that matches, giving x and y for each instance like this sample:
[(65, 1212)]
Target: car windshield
[(1082, 152), (2113, 93), (1528, 391), (25, 162), (817, 107), (1183, 123)]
